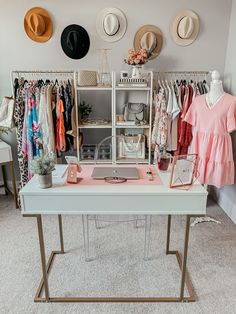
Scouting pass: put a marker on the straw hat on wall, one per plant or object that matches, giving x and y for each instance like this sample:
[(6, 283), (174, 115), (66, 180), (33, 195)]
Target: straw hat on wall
[(185, 28), (38, 25), (149, 37), (111, 24)]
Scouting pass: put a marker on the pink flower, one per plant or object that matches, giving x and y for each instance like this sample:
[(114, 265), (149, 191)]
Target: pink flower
[(137, 56), (131, 51), (142, 51)]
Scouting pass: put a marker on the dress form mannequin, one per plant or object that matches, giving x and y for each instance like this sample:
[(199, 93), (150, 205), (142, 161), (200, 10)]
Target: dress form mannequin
[(215, 93), (216, 89)]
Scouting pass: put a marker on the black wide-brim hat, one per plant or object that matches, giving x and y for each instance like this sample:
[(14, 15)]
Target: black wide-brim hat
[(75, 41)]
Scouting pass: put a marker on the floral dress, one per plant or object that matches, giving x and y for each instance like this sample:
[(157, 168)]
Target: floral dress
[(19, 112), (160, 125)]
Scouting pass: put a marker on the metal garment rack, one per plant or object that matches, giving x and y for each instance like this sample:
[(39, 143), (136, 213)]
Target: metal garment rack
[(182, 73), (194, 73), (17, 73)]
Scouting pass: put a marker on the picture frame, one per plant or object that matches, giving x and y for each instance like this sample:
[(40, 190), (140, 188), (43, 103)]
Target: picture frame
[(183, 171), (124, 74)]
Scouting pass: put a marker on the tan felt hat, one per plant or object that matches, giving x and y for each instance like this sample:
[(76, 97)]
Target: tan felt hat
[(149, 37), (185, 28), (38, 25)]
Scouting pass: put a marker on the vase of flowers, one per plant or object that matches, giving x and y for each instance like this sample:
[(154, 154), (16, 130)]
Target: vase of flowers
[(43, 167), (136, 58)]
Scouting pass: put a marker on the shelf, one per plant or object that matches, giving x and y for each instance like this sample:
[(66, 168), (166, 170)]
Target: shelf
[(92, 161), (132, 161), (93, 88), (95, 126), (133, 88), (146, 126), (112, 99)]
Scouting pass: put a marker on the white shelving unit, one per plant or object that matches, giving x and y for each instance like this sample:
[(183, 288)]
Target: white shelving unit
[(139, 94)]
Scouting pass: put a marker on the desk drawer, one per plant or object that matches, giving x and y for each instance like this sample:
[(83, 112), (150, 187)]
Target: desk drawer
[(5, 154)]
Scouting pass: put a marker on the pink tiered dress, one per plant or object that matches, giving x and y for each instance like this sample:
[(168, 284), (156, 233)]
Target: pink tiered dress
[(211, 138)]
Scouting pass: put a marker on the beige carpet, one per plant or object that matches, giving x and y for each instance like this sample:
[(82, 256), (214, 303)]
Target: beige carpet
[(119, 268)]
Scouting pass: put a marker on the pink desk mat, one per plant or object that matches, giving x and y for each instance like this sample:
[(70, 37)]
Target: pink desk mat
[(84, 177)]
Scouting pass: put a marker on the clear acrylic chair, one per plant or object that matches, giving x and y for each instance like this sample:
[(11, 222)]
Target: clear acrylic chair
[(98, 219)]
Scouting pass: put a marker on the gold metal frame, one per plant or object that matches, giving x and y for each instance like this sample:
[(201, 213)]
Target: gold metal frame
[(7, 190), (182, 262)]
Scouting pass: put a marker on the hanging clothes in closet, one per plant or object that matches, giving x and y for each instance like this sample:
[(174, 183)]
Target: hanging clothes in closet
[(171, 101), (45, 120)]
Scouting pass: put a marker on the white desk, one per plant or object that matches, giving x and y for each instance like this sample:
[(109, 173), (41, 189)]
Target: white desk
[(64, 199), (6, 159)]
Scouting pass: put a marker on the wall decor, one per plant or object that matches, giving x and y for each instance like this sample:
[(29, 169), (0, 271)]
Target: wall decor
[(149, 37), (38, 25), (105, 79), (184, 28), (111, 24), (75, 41)]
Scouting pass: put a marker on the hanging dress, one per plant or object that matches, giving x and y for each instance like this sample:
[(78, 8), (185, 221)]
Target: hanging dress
[(211, 138), (19, 113), (160, 126)]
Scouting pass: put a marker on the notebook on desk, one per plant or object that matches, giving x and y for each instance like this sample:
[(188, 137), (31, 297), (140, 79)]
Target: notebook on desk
[(129, 173)]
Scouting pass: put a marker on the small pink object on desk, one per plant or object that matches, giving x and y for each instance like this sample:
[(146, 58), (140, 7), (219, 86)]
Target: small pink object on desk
[(86, 179), (72, 171)]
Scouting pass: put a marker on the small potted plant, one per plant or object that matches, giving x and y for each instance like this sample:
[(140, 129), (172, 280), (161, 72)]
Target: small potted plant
[(4, 130), (136, 58), (43, 167), (85, 110)]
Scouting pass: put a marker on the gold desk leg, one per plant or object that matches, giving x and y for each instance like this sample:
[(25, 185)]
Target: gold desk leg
[(168, 235), (14, 184), (4, 180), (38, 297), (182, 262), (184, 266), (61, 234), (43, 258)]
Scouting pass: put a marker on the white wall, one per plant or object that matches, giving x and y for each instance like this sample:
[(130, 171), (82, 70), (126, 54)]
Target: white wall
[(226, 196), (19, 52)]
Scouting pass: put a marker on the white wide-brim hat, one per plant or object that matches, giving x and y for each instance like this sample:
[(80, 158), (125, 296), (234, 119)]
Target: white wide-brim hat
[(185, 28), (111, 24)]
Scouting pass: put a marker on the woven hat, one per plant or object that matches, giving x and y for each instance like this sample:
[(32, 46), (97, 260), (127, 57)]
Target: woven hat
[(149, 37), (75, 41), (111, 24), (185, 28), (38, 25)]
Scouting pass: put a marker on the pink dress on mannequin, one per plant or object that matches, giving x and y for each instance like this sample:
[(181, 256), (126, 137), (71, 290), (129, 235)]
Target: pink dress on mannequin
[(211, 138)]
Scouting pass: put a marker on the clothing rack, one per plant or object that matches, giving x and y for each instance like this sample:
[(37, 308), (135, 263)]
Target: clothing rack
[(182, 72), (16, 73), (163, 75)]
